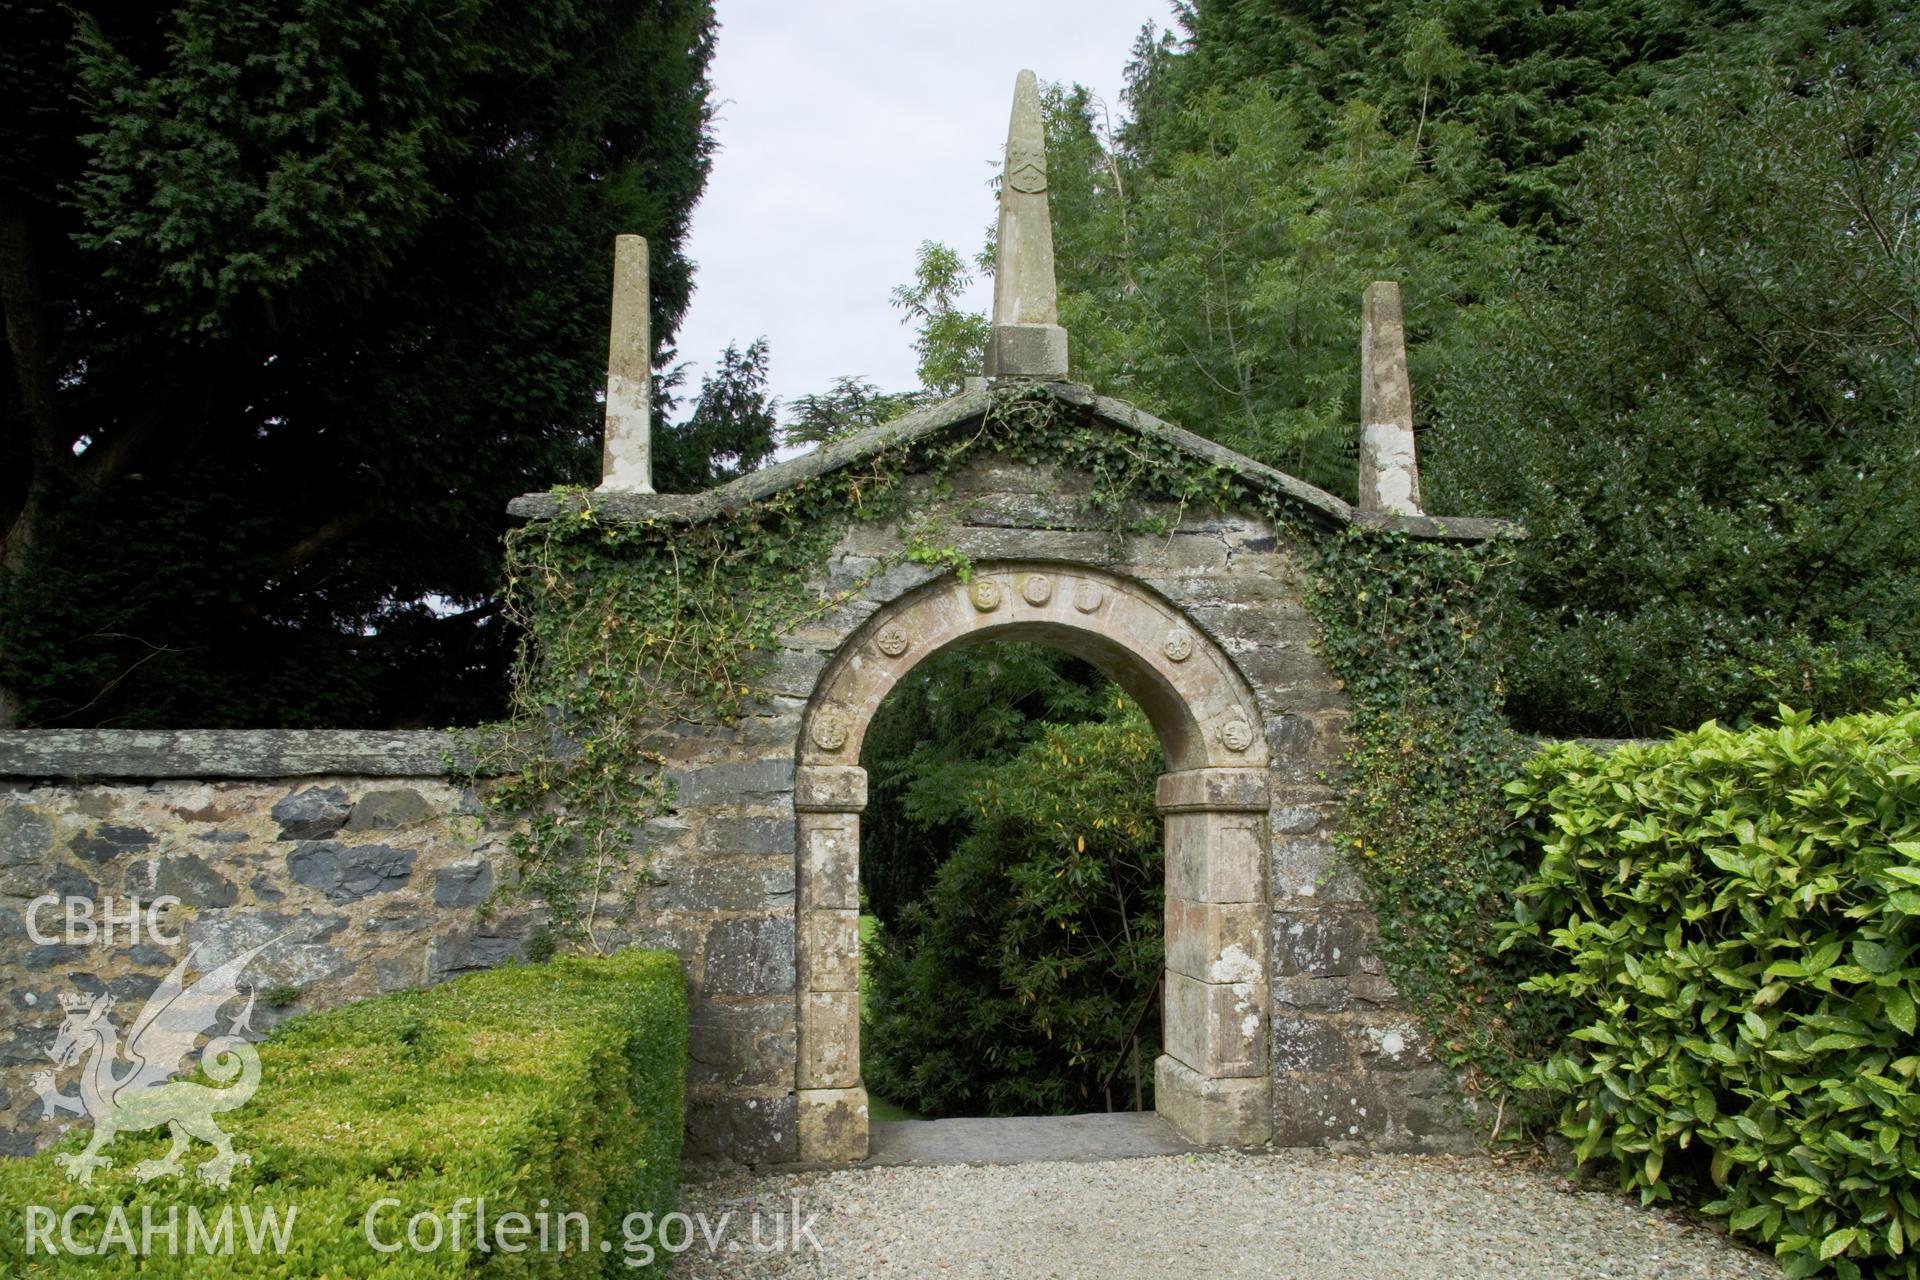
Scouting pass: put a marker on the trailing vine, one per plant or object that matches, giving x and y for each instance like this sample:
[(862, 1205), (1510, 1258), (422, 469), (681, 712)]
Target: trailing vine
[(630, 632), (633, 632)]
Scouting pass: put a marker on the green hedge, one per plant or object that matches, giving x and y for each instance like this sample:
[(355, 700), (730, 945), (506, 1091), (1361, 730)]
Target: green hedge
[(559, 1083), (1739, 913)]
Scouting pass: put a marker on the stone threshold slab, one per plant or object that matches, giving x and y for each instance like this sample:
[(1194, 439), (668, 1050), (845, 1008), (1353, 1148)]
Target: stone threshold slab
[(1115, 1135)]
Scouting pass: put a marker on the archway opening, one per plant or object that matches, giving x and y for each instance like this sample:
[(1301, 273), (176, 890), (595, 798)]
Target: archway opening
[(1012, 890), (1210, 1080)]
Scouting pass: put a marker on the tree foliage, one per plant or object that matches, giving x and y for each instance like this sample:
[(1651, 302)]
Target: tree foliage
[(850, 404), (951, 342), (1659, 311), (296, 300), (948, 725), (731, 431), (1026, 982), (1703, 411), (1218, 282), (1532, 84)]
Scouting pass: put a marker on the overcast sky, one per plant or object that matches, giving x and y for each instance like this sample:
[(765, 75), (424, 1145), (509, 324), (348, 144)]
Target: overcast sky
[(849, 132)]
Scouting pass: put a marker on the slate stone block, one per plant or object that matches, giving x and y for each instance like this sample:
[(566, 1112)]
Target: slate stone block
[(312, 814), (463, 884), (347, 873), (110, 840), (183, 876)]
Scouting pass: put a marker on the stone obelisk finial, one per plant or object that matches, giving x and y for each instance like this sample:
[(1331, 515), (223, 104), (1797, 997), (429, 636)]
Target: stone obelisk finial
[(1389, 473), (1027, 340), (626, 459)]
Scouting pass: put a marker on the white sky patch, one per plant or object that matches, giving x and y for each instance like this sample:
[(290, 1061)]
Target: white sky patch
[(849, 132)]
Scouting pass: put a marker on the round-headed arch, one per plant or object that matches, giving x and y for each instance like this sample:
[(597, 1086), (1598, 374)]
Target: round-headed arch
[(1204, 712)]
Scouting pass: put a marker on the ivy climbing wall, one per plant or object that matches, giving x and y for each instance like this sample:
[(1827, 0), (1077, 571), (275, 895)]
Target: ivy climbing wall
[(769, 585)]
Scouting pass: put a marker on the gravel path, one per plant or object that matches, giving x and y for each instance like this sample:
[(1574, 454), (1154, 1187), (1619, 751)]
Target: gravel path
[(1218, 1216)]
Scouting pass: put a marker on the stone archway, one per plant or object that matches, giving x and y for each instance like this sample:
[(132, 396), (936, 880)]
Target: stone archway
[(1211, 1082)]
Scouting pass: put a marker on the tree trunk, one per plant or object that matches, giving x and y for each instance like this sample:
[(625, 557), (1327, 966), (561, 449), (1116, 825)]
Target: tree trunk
[(24, 302)]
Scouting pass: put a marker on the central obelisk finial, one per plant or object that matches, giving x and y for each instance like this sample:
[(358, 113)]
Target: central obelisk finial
[(1027, 340)]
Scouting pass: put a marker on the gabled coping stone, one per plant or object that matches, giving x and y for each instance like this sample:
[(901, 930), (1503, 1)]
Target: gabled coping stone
[(75, 755), (693, 508)]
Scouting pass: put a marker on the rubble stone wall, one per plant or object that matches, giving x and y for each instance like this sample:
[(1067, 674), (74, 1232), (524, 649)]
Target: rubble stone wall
[(369, 884)]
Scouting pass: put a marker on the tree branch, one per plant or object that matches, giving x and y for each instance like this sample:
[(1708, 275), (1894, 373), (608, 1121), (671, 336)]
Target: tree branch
[(328, 535)]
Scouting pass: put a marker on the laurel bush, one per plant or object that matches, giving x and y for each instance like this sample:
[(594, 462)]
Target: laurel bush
[(1737, 919), (551, 1087)]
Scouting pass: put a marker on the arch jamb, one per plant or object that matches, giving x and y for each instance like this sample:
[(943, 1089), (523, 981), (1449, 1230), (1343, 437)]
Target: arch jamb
[(1212, 1082)]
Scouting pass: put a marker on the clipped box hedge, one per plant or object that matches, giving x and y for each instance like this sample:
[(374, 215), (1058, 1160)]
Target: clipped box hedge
[(1739, 914), (559, 1082)]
